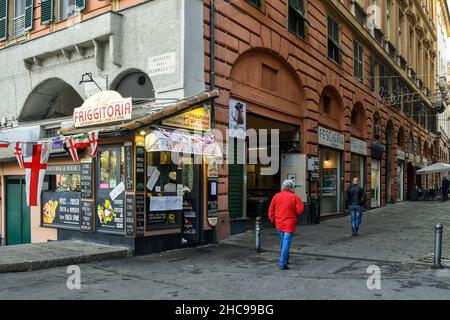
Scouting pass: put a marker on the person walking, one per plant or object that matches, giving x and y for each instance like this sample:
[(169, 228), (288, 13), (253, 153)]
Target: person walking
[(284, 210), (356, 199), (444, 188)]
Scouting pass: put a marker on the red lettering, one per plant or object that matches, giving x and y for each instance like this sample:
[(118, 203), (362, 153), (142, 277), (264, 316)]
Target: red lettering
[(127, 108), (110, 111), (118, 110), (89, 114)]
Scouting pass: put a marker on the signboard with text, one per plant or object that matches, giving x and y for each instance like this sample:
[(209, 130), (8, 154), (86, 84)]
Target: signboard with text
[(61, 209), (331, 138), (103, 113), (198, 119)]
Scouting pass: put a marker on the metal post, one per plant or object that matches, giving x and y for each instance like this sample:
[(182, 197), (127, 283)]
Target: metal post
[(438, 246), (258, 234)]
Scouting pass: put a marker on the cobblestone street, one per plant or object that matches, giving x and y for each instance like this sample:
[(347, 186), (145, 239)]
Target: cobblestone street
[(326, 263)]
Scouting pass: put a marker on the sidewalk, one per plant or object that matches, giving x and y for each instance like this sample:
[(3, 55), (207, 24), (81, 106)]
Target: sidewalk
[(30, 257), (399, 233)]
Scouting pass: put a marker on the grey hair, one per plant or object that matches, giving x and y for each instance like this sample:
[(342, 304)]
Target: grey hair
[(288, 185)]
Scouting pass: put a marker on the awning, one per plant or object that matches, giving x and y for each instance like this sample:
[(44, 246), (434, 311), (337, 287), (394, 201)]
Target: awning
[(435, 168), (182, 142)]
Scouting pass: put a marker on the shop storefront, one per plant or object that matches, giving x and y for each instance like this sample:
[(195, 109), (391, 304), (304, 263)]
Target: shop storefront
[(358, 161), (152, 186), (400, 174), (331, 147), (375, 174)]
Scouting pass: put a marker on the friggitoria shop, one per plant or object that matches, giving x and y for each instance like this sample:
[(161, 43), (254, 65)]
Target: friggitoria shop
[(152, 185)]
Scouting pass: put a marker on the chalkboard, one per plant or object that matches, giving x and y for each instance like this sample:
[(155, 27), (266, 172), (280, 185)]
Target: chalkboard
[(140, 214), (189, 217), (128, 168), (129, 215), (87, 216), (140, 168), (61, 209), (86, 180)]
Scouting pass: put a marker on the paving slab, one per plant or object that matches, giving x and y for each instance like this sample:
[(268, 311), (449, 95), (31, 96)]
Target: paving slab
[(28, 257)]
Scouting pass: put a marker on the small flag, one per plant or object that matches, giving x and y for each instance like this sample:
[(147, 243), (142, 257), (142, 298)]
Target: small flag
[(17, 148), (94, 143), (58, 144), (35, 163), (76, 142), (4, 144)]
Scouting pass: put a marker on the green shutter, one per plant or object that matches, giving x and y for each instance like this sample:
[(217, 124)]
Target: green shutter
[(46, 11), (81, 4), (3, 19), (28, 14)]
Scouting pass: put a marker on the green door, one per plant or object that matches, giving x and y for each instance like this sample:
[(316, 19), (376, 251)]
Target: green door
[(18, 220)]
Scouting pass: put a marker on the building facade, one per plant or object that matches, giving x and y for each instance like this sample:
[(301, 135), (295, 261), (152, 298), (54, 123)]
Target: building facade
[(54, 54), (351, 85)]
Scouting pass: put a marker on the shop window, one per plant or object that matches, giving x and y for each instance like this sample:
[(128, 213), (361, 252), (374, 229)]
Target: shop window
[(62, 183), (112, 168), (334, 49), (296, 17)]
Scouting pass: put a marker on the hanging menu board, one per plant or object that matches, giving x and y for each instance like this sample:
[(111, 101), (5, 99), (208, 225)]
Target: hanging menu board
[(140, 214), (87, 215), (140, 168), (61, 209), (128, 168), (86, 178), (129, 215)]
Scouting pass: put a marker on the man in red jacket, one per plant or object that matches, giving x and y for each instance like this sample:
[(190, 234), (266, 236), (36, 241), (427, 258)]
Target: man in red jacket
[(284, 209)]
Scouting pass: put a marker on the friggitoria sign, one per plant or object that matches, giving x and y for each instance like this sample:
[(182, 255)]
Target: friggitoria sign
[(109, 112), (331, 138)]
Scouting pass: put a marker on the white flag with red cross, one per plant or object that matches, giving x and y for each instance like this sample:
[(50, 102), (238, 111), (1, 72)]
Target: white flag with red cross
[(76, 142), (35, 162), (17, 148), (4, 144), (93, 140)]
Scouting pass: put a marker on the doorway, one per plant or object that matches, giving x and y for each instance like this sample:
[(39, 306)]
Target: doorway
[(331, 196), (375, 184), (18, 219)]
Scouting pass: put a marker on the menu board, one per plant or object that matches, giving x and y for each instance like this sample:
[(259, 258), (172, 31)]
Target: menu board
[(140, 168), (61, 209), (110, 213), (213, 203), (129, 215), (163, 218), (140, 214), (86, 179), (87, 215), (189, 217), (128, 168)]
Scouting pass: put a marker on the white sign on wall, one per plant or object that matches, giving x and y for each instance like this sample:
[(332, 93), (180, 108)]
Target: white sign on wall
[(401, 155), (331, 138), (162, 64), (237, 119), (358, 146)]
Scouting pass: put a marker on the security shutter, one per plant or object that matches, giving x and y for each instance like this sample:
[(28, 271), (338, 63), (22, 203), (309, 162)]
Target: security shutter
[(3, 19), (81, 4), (235, 186), (28, 14), (46, 11)]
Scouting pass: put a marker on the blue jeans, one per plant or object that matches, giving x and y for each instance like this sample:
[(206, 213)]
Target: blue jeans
[(285, 245), (356, 215)]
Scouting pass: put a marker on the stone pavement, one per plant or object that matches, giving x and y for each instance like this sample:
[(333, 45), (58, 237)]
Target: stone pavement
[(28, 257), (399, 233)]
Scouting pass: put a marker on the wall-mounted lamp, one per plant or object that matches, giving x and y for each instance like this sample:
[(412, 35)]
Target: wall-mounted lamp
[(87, 77), (142, 133)]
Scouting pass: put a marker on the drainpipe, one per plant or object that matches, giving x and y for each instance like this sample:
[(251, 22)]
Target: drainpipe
[(212, 80)]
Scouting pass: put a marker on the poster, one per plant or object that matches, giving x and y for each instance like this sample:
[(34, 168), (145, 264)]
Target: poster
[(166, 203), (237, 119), (110, 213), (61, 209)]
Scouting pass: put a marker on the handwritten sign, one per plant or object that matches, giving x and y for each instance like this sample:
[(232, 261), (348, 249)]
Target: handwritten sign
[(87, 216), (129, 215), (140, 214), (128, 168), (86, 179), (117, 191), (140, 168)]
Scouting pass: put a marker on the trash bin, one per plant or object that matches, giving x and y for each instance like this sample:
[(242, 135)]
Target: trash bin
[(260, 204), (414, 195), (315, 212)]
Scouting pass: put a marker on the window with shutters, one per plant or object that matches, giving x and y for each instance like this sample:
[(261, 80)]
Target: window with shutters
[(334, 49), (67, 9), (63, 10), (3, 19), (358, 60), (297, 17)]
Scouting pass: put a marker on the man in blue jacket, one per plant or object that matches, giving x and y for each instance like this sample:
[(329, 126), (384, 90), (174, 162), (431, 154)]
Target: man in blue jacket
[(356, 199)]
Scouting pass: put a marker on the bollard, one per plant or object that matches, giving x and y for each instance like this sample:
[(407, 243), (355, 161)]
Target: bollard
[(438, 246), (258, 234)]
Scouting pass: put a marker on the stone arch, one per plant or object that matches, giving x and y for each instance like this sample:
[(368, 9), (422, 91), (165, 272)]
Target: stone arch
[(269, 84), (52, 98), (332, 109), (358, 121), (134, 83)]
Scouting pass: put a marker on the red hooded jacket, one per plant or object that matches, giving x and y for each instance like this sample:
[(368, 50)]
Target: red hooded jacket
[(284, 210)]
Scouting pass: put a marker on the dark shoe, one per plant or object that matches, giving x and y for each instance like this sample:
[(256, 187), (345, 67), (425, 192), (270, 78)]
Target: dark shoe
[(356, 233), (353, 233), (285, 267)]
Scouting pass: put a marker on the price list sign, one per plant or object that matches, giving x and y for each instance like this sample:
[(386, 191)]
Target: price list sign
[(87, 216), (86, 179), (140, 215), (140, 168), (129, 215), (128, 168)]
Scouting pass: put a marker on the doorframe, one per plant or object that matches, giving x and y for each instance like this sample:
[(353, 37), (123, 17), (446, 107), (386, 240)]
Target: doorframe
[(5, 184)]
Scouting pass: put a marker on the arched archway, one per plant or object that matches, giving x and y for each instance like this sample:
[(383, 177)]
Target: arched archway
[(135, 84), (52, 98), (331, 109), (358, 121)]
